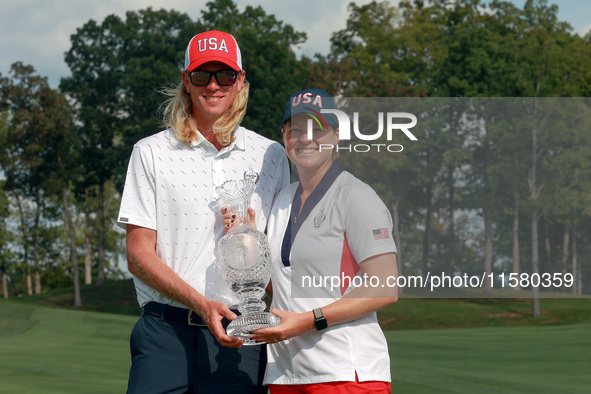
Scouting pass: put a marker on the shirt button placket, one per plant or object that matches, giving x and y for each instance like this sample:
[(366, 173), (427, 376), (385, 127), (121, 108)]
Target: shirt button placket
[(217, 173)]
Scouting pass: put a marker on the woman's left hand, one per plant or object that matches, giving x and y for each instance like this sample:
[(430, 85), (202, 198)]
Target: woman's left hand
[(230, 218), (292, 325)]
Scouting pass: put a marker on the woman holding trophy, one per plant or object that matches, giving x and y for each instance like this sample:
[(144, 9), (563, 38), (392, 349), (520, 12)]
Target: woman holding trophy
[(329, 236)]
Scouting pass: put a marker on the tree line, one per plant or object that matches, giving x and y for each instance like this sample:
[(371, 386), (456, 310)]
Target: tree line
[(481, 190)]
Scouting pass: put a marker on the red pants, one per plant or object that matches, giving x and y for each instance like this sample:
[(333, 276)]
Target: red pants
[(356, 387)]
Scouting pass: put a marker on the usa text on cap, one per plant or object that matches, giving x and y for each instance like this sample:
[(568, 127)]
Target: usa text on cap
[(309, 101)]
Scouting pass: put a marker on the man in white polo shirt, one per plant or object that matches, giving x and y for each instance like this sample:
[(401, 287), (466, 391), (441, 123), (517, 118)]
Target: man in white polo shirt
[(170, 212)]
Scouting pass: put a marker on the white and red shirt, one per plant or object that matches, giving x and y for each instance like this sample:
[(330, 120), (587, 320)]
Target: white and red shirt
[(342, 223), (170, 188)]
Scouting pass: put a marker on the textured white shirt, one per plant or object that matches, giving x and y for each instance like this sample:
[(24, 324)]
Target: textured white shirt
[(170, 188), (343, 223)]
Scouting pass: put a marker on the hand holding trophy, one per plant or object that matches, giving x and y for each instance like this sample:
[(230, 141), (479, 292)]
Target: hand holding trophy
[(245, 261)]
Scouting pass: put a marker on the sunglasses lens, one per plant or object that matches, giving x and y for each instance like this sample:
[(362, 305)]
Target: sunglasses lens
[(200, 78), (226, 78)]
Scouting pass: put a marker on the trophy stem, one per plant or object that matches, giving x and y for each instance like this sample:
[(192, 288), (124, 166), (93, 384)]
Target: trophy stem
[(241, 212), (250, 298)]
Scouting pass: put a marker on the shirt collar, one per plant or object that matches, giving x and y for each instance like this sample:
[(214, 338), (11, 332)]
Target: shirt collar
[(239, 140), (238, 143)]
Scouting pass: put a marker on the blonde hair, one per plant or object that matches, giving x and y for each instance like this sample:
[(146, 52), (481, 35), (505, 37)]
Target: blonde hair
[(178, 110)]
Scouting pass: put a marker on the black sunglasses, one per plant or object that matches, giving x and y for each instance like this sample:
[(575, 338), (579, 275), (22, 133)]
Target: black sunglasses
[(223, 77)]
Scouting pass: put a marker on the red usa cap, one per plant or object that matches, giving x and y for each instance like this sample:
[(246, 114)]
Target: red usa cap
[(213, 46)]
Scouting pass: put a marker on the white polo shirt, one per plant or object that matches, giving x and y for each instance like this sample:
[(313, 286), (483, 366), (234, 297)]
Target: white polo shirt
[(170, 188), (342, 223)]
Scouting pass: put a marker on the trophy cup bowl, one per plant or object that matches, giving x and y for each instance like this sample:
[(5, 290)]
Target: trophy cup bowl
[(245, 262)]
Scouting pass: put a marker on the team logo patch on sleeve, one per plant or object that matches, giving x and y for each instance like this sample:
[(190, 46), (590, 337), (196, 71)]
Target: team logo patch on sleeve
[(381, 233)]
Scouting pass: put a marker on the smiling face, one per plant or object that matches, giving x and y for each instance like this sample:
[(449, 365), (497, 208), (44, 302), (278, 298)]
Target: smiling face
[(211, 101), (312, 157)]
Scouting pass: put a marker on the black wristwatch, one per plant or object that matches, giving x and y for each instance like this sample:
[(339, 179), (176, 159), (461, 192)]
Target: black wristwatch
[(319, 319)]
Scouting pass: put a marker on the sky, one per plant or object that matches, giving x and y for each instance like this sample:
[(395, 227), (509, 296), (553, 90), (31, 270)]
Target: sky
[(37, 32)]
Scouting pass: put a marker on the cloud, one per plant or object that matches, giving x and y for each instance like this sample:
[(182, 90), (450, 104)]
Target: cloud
[(584, 30), (318, 19), (37, 32)]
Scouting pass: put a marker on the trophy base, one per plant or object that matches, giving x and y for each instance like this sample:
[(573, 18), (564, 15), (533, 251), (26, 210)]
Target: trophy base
[(243, 326)]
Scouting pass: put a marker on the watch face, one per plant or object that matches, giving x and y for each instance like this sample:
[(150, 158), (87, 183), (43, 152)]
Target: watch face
[(319, 319), (321, 324)]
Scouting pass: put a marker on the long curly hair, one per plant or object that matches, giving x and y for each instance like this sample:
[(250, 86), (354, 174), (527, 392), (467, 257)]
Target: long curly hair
[(178, 110)]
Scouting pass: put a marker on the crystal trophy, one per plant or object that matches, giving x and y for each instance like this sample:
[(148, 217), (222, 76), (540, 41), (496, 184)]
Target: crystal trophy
[(245, 261)]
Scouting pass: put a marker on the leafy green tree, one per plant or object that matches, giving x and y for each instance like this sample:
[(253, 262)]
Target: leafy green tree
[(6, 255), (95, 87), (548, 69), (364, 60), (117, 67), (362, 63), (38, 157), (5, 234), (467, 48), (566, 188), (20, 159)]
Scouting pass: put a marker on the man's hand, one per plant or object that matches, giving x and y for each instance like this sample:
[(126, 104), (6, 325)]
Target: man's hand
[(212, 312)]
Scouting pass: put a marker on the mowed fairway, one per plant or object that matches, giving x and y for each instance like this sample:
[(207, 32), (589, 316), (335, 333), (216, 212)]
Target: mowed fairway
[(553, 359), (51, 350)]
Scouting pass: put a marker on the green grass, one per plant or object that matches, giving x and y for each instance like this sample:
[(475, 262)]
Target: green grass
[(492, 360), (114, 297), (410, 313), (49, 350), (436, 345)]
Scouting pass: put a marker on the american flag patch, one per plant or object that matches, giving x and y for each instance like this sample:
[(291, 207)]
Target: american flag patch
[(381, 233)]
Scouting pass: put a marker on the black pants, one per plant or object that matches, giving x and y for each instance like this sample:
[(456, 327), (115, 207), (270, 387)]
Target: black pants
[(171, 356)]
